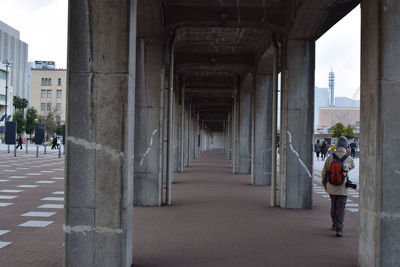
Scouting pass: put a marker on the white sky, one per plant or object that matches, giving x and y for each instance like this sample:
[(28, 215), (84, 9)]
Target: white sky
[(43, 26)]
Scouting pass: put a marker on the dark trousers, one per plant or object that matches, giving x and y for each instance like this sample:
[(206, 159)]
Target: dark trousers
[(323, 155), (338, 203), (19, 145), (317, 154)]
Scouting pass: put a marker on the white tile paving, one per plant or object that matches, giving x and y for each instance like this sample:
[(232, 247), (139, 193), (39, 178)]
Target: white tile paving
[(33, 174), (57, 178), (350, 205), (38, 214), (22, 168), (4, 204), (45, 182), (47, 171), (10, 191), (352, 209), (36, 223), (58, 193), (27, 186), (4, 244), (8, 170), (53, 199), (17, 177), (51, 206), (3, 181), (3, 232), (8, 197)]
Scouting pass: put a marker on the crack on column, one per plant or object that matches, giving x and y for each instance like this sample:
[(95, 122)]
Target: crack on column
[(148, 148), (83, 229), (297, 155), (114, 154)]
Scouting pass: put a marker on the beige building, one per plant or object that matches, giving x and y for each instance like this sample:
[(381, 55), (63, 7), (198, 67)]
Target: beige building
[(48, 92), (327, 117)]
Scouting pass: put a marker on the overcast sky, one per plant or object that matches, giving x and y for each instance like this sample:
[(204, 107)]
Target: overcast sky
[(43, 25)]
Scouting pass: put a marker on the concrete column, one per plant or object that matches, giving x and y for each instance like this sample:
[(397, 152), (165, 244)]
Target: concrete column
[(100, 133), (148, 182), (245, 131), (379, 217), (297, 120), (229, 132), (182, 132), (262, 130), (177, 133), (189, 127), (235, 130)]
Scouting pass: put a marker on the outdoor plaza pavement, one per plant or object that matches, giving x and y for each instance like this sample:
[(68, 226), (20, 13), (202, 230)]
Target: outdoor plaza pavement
[(217, 219)]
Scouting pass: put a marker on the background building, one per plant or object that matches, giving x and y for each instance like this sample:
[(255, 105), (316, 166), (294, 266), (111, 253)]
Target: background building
[(48, 92), (13, 49), (330, 116)]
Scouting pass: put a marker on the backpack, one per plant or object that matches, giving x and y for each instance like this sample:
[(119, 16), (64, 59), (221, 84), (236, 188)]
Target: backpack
[(336, 175)]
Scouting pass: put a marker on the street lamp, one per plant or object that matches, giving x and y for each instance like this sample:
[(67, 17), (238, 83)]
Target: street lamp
[(7, 64)]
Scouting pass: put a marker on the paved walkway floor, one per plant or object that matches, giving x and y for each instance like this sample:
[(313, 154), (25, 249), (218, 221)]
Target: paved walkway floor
[(219, 219)]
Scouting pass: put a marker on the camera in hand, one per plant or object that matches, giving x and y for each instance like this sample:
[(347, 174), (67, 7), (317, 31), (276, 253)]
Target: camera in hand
[(350, 184)]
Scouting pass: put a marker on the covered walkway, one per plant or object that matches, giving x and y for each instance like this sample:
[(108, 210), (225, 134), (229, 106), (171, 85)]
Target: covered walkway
[(219, 219)]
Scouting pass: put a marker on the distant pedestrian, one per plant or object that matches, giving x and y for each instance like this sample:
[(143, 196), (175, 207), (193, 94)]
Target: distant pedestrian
[(317, 148), (324, 150), (353, 148), (54, 143), (19, 140), (334, 179)]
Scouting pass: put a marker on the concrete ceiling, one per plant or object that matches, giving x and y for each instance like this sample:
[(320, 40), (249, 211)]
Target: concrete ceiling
[(218, 41)]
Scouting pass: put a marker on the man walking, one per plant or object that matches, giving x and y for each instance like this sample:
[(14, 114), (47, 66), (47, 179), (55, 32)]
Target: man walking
[(334, 178), (19, 140), (317, 148)]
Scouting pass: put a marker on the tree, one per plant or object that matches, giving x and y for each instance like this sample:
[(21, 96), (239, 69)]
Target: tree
[(59, 129), (31, 119), (20, 103), (19, 118), (349, 131), (336, 130)]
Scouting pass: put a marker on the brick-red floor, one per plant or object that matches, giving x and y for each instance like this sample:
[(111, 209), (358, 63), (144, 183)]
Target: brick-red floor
[(217, 219)]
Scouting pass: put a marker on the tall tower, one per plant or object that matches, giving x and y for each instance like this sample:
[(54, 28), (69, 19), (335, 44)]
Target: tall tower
[(331, 88)]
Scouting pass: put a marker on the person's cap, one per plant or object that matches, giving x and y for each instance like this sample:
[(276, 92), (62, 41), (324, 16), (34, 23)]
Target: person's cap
[(342, 142)]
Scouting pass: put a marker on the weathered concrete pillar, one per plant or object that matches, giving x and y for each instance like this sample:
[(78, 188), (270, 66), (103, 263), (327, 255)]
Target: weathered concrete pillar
[(148, 182), (229, 132), (235, 130), (100, 134), (379, 217), (297, 120), (245, 124), (262, 130)]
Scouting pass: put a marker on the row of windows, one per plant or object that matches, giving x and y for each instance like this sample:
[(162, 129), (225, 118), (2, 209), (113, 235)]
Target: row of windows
[(47, 106), (47, 81), (48, 93)]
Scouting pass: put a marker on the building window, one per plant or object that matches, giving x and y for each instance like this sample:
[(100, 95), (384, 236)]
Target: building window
[(58, 118), (49, 81), (43, 81), (48, 93), (42, 106), (58, 106), (43, 93), (48, 106), (59, 81), (59, 93)]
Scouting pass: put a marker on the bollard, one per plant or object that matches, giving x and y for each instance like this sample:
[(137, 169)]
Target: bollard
[(44, 149), (26, 146), (37, 151), (8, 149), (59, 152), (15, 151)]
